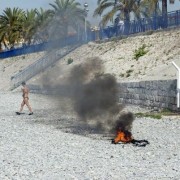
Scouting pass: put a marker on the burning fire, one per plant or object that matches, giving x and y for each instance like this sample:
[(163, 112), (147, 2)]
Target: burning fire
[(123, 136), (123, 133)]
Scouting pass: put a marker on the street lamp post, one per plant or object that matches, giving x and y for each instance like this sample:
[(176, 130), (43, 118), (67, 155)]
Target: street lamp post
[(178, 83), (85, 22)]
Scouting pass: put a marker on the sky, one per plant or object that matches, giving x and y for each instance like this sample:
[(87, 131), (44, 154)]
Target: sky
[(30, 4)]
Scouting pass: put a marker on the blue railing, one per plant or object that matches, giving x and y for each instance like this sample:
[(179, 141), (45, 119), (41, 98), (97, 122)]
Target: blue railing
[(71, 40), (172, 19)]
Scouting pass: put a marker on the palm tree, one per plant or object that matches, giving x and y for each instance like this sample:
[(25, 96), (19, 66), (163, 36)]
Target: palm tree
[(29, 26), (123, 7), (152, 9), (164, 12), (164, 6), (1, 46), (67, 13), (11, 26), (2, 37), (43, 19), (149, 8)]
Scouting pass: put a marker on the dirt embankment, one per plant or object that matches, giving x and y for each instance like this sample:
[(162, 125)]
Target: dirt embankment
[(137, 58), (158, 50)]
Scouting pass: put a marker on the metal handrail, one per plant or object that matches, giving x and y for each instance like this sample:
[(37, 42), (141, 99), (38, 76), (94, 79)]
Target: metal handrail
[(178, 83), (40, 65)]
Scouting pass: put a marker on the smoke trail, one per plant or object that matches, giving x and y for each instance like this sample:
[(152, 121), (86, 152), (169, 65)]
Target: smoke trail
[(94, 95), (124, 122)]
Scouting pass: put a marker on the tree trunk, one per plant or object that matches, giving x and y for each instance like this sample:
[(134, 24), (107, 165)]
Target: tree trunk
[(164, 13), (5, 45), (1, 47), (126, 22)]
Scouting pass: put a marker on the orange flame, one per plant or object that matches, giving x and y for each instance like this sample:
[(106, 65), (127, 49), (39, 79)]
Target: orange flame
[(123, 136)]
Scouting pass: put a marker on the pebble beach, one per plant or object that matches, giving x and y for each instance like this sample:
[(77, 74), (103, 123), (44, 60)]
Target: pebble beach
[(52, 145)]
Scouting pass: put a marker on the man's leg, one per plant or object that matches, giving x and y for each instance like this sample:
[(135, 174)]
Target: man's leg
[(21, 108), (28, 105), (22, 105)]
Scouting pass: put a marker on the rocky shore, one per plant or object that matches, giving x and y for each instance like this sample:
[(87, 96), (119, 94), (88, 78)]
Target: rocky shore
[(54, 144)]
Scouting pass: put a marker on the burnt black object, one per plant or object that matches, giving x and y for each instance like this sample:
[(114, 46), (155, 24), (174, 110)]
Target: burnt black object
[(113, 141), (140, 143), (137, 143)]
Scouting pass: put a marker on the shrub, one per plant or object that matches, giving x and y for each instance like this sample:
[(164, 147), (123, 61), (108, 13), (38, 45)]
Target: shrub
[(149, 32), (151, 115), (70, 60), (157, 115), (127, 75), (140, 52), (129, 71), (121, 75)]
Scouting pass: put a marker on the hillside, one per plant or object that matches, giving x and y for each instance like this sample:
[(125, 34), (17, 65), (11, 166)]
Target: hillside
[(118, 58), (11, 66), (57, 143)]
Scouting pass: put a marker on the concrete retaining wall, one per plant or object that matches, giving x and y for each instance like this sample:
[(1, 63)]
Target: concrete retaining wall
[(159, 94)]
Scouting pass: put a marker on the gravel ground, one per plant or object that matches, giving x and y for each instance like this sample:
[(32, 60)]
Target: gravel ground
[(53, 145)]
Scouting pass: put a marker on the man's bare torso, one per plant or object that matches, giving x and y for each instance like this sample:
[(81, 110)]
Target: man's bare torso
[(25, 91)]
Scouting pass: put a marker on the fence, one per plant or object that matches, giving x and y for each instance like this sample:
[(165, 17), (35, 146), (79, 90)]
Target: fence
[(66, 45), (172, 19), (71, 40)]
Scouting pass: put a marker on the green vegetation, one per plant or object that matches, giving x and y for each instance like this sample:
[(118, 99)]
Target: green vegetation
[(67, 16), (35, 26), (122, 75), (127, 74), (100, 47), (168, 112), (120, 58), (125, 9), (140, 52), (151, 115), (70, 60), (149, 32), (129, 71), (157, 115)]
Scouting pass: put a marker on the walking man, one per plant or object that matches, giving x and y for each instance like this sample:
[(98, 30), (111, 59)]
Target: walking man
[(25, 95)]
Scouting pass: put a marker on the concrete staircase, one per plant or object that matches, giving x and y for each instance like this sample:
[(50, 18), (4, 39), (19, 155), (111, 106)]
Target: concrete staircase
[(49, 59)]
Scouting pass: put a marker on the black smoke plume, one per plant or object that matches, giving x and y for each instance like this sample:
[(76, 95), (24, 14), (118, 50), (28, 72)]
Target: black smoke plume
[(95, 96), (124, 122)]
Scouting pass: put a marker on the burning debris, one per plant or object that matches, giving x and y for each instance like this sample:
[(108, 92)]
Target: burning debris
[(95, 94), (123, 128), (123, 136), (95, 99), (126, 137), (123, 131)]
